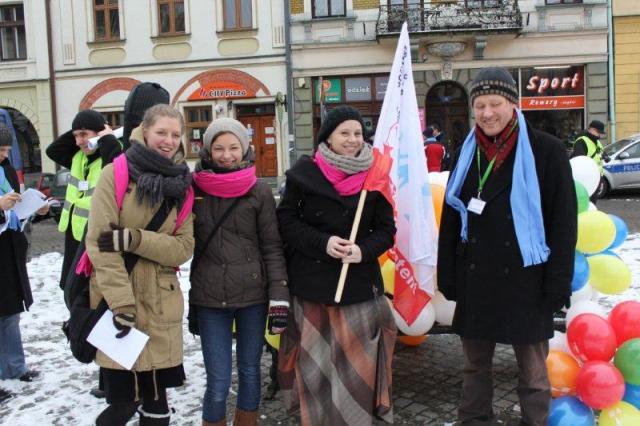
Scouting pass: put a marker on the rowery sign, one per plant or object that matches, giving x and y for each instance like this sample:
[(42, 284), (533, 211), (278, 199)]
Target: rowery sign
[(221, 90), (552, 88)]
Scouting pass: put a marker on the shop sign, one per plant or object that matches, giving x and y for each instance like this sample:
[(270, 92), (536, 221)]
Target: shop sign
[(381, 87), (332, 88), (567, 81), (552, 102), (357, 89), (221, 90)]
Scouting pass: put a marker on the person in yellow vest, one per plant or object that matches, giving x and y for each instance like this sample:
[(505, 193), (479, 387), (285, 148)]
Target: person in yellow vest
[(71, 150), (588, 143)]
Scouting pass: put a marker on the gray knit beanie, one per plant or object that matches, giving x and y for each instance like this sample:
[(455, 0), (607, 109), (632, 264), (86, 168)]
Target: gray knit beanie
[(494, 81), (226, 125), (6, 138)]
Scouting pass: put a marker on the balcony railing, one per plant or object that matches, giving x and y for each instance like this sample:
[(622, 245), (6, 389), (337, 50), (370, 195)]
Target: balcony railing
[(451, 16)]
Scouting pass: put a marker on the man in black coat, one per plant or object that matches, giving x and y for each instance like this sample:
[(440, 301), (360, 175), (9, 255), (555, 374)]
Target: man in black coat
[(506, 248)]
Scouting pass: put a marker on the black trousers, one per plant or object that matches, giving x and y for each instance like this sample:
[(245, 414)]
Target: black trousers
[(70, 249)]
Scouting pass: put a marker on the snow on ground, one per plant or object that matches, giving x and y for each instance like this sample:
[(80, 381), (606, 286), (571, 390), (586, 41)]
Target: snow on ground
[(61, 395)]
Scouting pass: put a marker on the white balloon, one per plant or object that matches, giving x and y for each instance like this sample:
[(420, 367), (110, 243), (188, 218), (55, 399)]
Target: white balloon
[(439, 178), (584, 307), (559, 342), (444, 309), (586, 171), (592, 207), (585, 293), (421, 325)]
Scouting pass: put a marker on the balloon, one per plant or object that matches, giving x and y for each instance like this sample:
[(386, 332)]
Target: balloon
[(569, 411), (610, 253), (621, 231), (632, 394), (584, 307), (563, 371), (559, 342), (412, 340), (591, 338), (586, 171), (439, 178), (628, 361), (599, 384), (585, 293), (272, 339), (437, 196), (388, 276), (592, 207), (444, 309), (580, 272), (625, 320), (596, 232), (583, 197), (608, 274), (421, 325), (621, 414), (383, 258)]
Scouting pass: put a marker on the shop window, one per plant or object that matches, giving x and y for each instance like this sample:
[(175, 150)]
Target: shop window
[(238, 14), (196, 119), (106, 20), (562, 1), (13, 43), (171, 17), (328, 8), (115, 119)]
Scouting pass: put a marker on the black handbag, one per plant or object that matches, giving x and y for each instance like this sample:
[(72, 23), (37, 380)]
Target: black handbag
[(82, 318)]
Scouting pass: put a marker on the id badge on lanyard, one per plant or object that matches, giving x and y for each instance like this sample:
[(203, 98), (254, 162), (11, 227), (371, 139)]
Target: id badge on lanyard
[(476, 205)]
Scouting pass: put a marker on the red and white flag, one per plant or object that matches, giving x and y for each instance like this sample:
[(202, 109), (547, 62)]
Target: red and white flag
[(399, 172)]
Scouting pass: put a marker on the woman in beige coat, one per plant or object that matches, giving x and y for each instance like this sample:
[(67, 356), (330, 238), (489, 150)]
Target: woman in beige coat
[(150, 298)]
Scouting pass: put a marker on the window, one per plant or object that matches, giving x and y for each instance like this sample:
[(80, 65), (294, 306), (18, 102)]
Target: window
[(197, 119), (328, 8), (634, 151), (106, 20), (170, 17), (115, 119), (237, 14), (13, 43), (562, 1)]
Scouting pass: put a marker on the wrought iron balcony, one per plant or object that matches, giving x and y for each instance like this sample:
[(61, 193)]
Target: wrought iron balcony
[(477, 16)]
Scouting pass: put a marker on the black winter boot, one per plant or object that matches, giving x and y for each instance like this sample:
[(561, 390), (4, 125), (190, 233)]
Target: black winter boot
[(117, 414), (154, 419)]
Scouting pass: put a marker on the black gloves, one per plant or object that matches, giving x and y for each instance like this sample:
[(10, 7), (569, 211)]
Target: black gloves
[(117, 240), (124, 318), (277, 317)]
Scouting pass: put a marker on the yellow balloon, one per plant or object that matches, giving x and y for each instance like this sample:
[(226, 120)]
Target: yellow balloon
[(389, 276), (608, 274), (596, 232), (620, 414), (272, 339)]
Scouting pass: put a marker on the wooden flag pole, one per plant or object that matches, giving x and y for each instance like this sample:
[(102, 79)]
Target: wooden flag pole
[(352, 238)]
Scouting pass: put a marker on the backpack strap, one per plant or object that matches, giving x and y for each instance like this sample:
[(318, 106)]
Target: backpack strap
[(121, 178)]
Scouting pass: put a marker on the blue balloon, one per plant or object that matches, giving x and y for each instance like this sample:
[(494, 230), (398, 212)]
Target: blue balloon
[(621, 231), (610, 253), (569, 411), (580, 272), (632, 394)]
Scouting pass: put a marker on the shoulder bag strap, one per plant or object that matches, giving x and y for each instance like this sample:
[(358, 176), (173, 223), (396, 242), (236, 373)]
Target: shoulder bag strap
[(156, 222)]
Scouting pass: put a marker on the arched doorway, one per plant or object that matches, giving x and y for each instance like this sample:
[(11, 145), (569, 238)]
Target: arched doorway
[(447, 105), (28, 141)]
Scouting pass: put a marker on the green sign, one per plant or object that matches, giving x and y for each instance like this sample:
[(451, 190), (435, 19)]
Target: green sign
[(332, 90)]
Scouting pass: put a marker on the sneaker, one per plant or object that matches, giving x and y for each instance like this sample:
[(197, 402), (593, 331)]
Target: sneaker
[(97, 392), (29, 376), (5, 394)]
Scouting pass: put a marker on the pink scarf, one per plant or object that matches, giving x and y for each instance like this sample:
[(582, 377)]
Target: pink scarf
[(343, 183), (226, 185)]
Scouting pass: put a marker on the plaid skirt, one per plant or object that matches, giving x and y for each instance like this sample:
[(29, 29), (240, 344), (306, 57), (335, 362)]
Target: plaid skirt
[(334, 362)]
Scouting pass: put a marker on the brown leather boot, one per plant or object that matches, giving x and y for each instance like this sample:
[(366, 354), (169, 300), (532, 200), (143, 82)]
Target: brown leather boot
[(222, 422), (245, 418)]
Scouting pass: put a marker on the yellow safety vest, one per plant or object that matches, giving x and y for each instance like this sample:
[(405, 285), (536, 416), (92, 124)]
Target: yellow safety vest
[(79, 191), (594, 150)]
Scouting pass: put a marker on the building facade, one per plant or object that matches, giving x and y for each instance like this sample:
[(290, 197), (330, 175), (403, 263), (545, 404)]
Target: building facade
[(556, 50), (216, 58)]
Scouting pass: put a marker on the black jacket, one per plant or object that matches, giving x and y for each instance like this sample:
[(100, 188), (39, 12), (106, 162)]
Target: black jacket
[(310, 212), (497, 298), (15, 291), (63, 148)]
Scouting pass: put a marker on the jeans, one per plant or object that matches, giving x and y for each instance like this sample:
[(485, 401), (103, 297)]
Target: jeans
[(12, 363), (216, 337)]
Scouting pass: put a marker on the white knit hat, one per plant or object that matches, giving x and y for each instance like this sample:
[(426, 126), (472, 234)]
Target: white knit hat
[(226, 125)]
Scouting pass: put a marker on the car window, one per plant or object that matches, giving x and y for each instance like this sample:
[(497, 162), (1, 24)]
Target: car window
[(617, 146), (634, 151)]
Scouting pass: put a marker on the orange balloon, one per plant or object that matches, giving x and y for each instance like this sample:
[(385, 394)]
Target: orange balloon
[(563, 371), (383, 258), (412, 340), (437, 194)]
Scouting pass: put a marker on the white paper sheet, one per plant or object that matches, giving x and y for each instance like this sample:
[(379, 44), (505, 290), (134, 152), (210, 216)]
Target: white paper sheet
[(126, 350), (32, 201)]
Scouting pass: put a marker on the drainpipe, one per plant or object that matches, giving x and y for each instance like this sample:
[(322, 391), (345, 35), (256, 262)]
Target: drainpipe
[(293, 155), (52, 84), (612, 84)]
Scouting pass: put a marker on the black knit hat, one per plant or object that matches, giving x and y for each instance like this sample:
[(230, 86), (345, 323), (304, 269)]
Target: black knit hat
[(494, 81), (88, 120), (334, 118), (6, 138), (141, 98)]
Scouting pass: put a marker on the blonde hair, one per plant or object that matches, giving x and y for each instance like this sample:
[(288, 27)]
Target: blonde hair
[(161, 110)]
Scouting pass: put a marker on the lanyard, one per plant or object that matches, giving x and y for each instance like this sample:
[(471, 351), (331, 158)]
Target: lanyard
[(485, 176)]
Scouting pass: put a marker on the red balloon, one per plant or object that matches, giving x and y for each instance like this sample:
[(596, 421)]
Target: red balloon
[(625, 320), (599, 384), (591, 338)]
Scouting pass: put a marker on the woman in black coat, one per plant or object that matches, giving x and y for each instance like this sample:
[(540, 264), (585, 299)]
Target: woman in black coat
[(354, 337)]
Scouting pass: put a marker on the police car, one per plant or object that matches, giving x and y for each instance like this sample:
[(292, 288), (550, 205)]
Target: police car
[(623, 171)]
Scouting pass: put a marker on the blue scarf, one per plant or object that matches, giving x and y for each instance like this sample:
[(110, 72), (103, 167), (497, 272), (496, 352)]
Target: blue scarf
[(12, 217), (525, 195)]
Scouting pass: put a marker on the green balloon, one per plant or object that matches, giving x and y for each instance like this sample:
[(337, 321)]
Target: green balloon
[(627, 360), (583, 197)]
